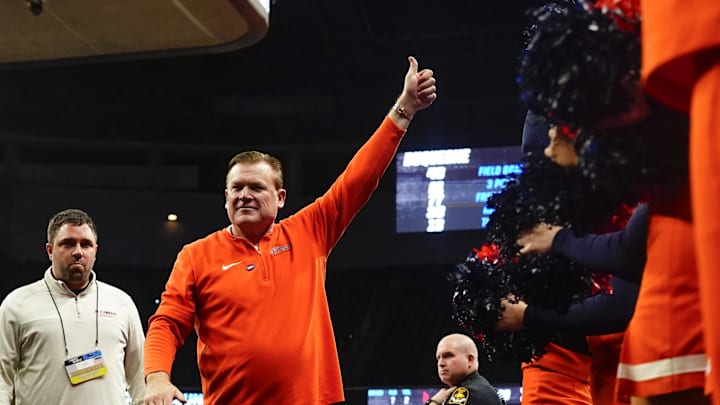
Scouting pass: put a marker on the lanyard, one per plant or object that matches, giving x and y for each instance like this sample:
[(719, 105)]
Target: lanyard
[(62, 326)]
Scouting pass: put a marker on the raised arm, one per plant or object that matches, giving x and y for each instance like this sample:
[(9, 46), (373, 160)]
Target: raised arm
[(418, 93), (355, 185), (597, 315), (621, 253)]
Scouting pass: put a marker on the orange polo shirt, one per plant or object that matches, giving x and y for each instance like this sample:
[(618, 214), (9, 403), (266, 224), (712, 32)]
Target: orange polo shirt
[(261, 316)]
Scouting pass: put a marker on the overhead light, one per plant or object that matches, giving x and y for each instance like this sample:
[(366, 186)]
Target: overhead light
[(36, 6), (172, 217)]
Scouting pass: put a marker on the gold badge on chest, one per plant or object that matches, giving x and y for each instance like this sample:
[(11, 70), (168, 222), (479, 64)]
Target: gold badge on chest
[(459, 397)]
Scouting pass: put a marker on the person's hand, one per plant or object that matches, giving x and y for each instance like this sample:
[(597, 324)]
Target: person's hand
[(537, 240), (512, 317), (160, 391), (441, 396), (419, 90)]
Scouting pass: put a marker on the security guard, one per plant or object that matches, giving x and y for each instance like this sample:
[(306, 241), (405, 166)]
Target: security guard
[(457, 362)]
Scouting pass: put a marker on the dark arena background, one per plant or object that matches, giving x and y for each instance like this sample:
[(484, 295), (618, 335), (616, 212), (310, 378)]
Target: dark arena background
[(132, 137)]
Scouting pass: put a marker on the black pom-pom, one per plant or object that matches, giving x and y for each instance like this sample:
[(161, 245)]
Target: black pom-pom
[(480, 283), (581, 64), (545, 192), (634, 161), (542, 193)]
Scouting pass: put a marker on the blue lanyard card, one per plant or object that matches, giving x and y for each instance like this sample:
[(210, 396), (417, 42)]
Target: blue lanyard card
[(85, 367)]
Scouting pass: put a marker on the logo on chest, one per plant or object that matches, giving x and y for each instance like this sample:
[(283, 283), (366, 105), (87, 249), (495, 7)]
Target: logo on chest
[(109, 314), (460, 396), (226, 267), (276, 250)]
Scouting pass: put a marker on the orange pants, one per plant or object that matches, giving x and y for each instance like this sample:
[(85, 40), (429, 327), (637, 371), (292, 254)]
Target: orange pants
[(705, 192), (559, 377), (605, 351), (681, 67), (663, 351)]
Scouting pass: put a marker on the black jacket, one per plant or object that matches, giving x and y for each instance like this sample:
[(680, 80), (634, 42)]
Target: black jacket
[(474, 390)]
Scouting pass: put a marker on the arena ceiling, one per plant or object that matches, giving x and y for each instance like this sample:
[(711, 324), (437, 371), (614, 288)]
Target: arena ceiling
[(322, 65)]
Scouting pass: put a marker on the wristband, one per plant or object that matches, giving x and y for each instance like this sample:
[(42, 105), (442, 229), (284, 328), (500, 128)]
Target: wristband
[(432, 401)]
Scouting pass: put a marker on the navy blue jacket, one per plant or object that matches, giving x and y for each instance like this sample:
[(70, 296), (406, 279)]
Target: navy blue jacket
[(621, 254)]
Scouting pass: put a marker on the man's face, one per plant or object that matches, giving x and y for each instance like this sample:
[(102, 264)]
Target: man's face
[(453, 365), (251, 196), (72, 254), (561, 149)]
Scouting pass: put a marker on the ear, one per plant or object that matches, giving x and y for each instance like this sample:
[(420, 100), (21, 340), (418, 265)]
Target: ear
[(471, 360), (282, 194), (48, 249)]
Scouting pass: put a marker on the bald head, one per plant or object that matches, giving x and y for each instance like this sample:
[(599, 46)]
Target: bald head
[(457, 357), (462, 344)]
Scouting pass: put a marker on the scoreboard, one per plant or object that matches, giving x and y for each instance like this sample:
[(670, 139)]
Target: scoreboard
[(447, 189)]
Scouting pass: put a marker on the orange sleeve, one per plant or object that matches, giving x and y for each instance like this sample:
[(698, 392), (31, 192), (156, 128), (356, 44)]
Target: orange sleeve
[(173, 321), (353, 188), (674, 33)]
